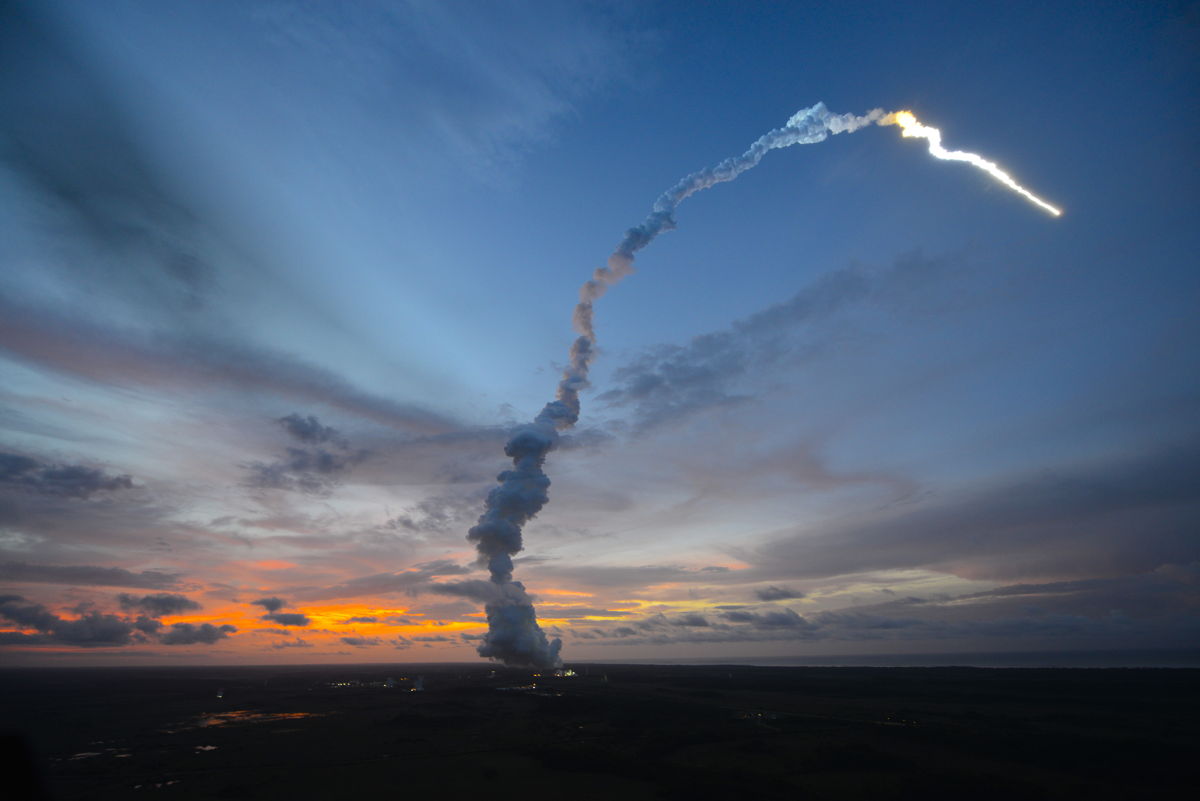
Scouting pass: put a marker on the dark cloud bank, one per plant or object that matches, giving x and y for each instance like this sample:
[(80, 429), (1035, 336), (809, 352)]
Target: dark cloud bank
[(19, 472), (97, 629), (158, 604), (273, 605)]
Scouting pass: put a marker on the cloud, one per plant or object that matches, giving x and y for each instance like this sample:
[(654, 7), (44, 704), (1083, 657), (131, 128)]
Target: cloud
[(1169, 592), (78, 155), (158, 604), (27, 613), (669, 383), (1126, 515), (438, 513), (362, 642), (296, 643), (438, 613), (96, 629), (63, 480), (774, 619), (409, 581), (628, 576), (93, 629), (197, 360), (773, 593), (89, 630), (124, 240), (474, 85), (128, 226), (479, 590), (271, 604), (190, 634), (23, 572), (61, 525), (314, 471), (308, 429), (464, 456), (1136, 611), (570, 612)]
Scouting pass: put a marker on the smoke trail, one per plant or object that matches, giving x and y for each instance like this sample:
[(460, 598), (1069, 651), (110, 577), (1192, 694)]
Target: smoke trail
[(514, 636)]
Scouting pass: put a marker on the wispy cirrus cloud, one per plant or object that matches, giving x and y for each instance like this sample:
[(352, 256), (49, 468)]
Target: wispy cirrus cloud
[(1126, 515), (1131, 611), (411, 581), (86, 575), (64, 342), (668, 384)]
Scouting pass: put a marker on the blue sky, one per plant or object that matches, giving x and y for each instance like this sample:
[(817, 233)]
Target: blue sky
[(278, 277)]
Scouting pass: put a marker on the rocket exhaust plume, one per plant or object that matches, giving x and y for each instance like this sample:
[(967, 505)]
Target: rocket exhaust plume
[(514, 636), (910, 126)]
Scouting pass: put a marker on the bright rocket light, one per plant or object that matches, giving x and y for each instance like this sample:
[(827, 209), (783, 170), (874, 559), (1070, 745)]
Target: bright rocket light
[(910, 126)]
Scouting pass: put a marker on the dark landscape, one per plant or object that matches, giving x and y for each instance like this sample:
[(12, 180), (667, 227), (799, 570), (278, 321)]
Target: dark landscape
[(609, 731)]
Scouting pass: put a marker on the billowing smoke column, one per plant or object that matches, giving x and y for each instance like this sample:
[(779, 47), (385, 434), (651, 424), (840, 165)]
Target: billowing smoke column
[(514, 636)]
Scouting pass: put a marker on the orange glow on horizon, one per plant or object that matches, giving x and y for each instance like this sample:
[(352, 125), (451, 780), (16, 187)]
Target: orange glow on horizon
[(567, 621), (273, 564), (258, 640), (329, 619)]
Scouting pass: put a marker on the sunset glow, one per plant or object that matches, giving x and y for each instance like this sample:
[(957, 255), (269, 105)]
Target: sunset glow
[(542, 333)]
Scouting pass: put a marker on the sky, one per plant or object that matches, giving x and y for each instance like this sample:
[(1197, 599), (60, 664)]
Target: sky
[(277, 279)]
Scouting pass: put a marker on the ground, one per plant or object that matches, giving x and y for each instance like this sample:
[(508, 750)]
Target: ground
[(612, 731)]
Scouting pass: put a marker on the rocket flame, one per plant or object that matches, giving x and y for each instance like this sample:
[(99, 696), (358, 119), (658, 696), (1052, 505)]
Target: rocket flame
[(910, 126)]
